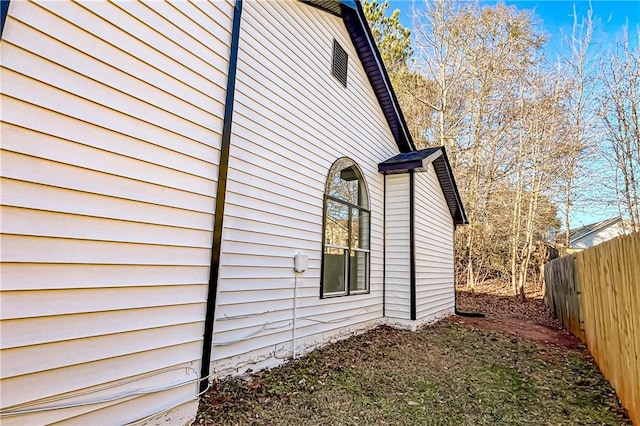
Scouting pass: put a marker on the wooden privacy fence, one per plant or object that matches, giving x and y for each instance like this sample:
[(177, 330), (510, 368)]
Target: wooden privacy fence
[(562, 293), (596, 296)]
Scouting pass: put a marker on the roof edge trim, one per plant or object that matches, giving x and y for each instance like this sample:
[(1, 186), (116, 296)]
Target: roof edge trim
[(418, 161), (601, 225), (362, 38), (349, 3), (4, 11)]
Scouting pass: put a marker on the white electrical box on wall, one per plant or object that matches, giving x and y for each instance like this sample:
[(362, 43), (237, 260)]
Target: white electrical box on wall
[(300, 262)]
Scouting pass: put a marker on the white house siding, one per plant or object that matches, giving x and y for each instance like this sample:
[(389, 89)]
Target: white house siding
[(398, 256), (292, 120), (433, 249), (111, 122)]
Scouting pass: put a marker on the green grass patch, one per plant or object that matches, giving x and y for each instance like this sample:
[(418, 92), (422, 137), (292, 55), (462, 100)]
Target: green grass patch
[(445, 374)]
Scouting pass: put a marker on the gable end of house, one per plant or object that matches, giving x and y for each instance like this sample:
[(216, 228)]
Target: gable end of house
[(419, 161)]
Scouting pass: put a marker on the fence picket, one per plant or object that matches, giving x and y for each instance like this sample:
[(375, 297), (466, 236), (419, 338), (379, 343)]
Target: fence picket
[(596, 296)]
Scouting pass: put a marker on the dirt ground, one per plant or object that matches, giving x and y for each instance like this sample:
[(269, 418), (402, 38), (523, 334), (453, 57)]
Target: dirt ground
[(515, 366), (524, 330), (496, 300), (530, 320)]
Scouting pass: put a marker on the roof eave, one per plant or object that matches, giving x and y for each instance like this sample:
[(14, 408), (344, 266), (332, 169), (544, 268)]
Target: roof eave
[(355, 22), (360, 33), (461, 216), (437, 156)]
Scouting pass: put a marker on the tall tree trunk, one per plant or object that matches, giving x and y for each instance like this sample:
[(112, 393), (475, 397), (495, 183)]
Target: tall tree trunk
[(528, 249), (517, 204)]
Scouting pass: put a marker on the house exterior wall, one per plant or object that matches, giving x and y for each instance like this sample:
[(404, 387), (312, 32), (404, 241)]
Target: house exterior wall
[(398, 254), (600, 236), (111, 129), (433, 249), (111, 123), (292, 120)]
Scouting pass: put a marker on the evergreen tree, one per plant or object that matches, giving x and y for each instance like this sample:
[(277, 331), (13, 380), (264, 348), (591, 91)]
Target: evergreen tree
[(393, 40)]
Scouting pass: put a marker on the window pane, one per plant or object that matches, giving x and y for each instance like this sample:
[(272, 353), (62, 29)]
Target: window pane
[(336, 231), (346, 183), (365, 222), (359, 229), (334, 270), (358, 270), (346, 190), (355, 228), (346, 232)]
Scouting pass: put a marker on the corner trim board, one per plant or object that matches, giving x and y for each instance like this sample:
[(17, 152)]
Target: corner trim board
[(412, 244), (4, 11), (384, 245), (223, 169)]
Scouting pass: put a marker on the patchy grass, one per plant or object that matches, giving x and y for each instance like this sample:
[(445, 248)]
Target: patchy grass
[(450, 373)]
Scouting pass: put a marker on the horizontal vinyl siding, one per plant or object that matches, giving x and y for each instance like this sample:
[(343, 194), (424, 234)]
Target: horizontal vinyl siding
[(23, 332), (160, 370), (111, 126), (434, 247), (398, 254), (37, 303), (292, 120)]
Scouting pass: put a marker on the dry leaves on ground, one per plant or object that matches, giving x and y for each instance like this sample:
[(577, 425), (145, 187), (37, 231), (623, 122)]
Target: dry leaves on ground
[(457, 372)]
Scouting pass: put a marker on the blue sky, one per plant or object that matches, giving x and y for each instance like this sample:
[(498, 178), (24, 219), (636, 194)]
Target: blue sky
[(556, 18), (608, 17)]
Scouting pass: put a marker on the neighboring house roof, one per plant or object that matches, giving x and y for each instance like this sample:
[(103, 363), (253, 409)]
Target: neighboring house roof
[(356, 23), (419, 161), (581, 232)]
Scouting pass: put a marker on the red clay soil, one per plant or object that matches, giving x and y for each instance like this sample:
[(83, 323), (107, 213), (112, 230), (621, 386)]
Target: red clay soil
[(529, 320), (525, 330)]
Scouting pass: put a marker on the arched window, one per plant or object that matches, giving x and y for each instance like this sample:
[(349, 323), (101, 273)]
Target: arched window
[(345, 259)]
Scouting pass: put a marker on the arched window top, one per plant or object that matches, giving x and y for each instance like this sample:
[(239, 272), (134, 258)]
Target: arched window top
[(345, 259), (345, 183)]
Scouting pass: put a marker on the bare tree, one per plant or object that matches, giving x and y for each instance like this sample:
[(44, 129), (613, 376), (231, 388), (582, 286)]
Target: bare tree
[(475, 57), (439, 59), (578, 68), (619, 113), (542, 130), (478, 85)]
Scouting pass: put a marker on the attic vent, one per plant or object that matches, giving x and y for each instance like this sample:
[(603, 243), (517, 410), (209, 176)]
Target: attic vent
[(340, 62)]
